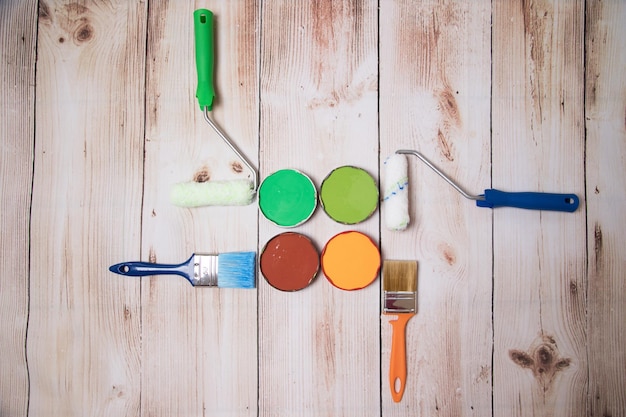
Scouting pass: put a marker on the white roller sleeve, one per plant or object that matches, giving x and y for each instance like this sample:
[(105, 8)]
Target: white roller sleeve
[(396, 192), (212, 193)]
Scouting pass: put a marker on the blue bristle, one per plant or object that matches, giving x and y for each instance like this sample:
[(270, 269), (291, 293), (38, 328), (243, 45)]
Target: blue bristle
[(236, 270)]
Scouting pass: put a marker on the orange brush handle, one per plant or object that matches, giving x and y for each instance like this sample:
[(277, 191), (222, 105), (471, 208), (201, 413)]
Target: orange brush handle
[(397, 367)]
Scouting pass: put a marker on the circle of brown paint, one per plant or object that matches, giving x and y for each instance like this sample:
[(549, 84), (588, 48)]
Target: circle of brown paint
[(289, 261)]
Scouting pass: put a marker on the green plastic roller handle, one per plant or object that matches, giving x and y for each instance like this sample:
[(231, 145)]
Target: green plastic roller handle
[(205, 57)]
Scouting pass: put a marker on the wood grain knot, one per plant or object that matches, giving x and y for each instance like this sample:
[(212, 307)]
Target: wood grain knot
[(117, 391), (597, 239), (72, 19), (76, 8), (484, 374), (152, 258), (447, 253), (449, 107), (598, 242), (127, 313), (543, 359), (236, 167), (444, 146), (202, 175), (84, 33), (44, 12)]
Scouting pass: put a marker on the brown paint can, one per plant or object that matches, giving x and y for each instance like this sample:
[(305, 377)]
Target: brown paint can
[(289, 261)]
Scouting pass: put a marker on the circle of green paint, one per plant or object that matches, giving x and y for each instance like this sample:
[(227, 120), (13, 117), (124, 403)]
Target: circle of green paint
[(349, 195), (287, 197)]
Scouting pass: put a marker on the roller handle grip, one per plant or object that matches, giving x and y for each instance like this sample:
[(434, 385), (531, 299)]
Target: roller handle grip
[(529, 200), (205, 57)]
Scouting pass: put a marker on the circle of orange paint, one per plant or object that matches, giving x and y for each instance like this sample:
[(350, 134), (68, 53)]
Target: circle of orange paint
[(350, 260)]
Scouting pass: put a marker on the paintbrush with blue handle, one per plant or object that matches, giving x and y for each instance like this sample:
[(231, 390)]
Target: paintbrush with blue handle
[(224, 270)]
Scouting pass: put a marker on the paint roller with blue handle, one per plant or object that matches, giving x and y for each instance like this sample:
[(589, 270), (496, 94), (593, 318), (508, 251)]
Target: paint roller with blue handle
[(397, 202)]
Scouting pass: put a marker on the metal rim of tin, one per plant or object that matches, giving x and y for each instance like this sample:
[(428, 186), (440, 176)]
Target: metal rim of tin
[(297, 267), (267, 211), (374, 188)]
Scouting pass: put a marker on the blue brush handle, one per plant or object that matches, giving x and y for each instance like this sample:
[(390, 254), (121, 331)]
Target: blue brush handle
[(529, 200), (142, 269)]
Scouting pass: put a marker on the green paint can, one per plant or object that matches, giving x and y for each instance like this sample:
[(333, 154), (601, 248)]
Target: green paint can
[(287, 198)]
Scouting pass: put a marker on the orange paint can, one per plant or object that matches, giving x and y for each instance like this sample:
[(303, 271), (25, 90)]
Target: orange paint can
[(350, 260)]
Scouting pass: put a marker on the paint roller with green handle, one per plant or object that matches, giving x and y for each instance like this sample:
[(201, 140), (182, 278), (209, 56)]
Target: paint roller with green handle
[(205, 57), (212, 193)]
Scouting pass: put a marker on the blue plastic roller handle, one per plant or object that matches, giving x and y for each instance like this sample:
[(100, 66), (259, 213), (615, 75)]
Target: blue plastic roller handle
[(529, 200)]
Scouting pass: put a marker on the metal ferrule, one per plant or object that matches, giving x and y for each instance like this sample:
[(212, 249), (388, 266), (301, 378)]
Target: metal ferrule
[(399, 302), (205, 270)]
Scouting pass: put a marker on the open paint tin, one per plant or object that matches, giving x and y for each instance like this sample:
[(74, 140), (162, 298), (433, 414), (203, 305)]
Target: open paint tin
[(289, 261), (350, 260), (287, 198), (349, 195)]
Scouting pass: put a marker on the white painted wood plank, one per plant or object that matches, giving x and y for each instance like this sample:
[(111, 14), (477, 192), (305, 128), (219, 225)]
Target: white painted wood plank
[(435, 98), (540, 364), (319, 348), (17, 110), (83, 338), (606, 191), (199, 344)]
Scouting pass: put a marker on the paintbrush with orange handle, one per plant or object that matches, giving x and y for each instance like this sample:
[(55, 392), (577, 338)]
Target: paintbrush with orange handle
[(400, 299)]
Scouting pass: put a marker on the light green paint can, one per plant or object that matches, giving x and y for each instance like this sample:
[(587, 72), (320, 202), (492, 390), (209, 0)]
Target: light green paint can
[(349, 195)]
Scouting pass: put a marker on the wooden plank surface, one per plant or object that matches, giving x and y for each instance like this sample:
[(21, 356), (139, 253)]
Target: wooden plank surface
[(84, 341), (540, 357), (319, 348), (519, 312), (435, 98), (605, 108), (17, 111), (199, 344)]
